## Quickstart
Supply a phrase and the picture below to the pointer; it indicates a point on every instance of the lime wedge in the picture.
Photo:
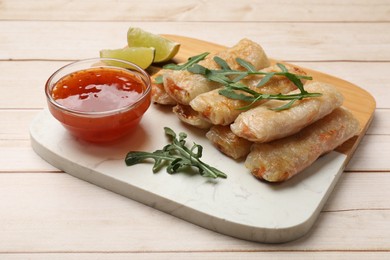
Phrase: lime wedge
(165, 48)
(141, 56)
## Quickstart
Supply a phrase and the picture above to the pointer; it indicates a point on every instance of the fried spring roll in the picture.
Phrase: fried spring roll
(220, 110)
(187, 115)
(281, 159)
(227, 142)
(261, 124)
(158, 93)
(183, 86)
(160, 96)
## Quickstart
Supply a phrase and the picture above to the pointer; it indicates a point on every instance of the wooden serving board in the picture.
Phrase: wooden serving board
(239, 206)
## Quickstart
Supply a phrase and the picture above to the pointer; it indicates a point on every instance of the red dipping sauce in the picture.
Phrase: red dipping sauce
(98, 90)
(99, 104)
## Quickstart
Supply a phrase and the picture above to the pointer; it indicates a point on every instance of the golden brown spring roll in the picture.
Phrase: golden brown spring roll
(261, 124)
(220, 110)
(281, 159)
(183, 86)
(227, 142)
(158, 93)
(187, 115)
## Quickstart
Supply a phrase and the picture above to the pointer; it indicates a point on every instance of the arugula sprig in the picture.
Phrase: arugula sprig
(176, 156)
(230, 91)
(190, 62)
(233, 88)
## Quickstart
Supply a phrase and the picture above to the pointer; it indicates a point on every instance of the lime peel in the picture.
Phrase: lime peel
(165, 48)
(141, 56)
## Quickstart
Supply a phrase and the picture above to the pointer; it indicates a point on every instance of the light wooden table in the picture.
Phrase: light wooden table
(47, 214)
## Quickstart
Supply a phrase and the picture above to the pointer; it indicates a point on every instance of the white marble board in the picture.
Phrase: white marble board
(239, 206)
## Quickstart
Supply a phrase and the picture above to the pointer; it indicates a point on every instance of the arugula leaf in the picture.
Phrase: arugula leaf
(198, 69)
(222, 63)
(190, 62)
(265, 79)
(158, 80)
(231, 79)
(282, 67)
(176, 156)
(286, 106)
(248, 66)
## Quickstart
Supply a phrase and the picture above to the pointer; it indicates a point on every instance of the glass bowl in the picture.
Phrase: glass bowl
(100, 99)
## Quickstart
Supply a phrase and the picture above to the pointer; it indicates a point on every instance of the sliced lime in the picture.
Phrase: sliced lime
(165, 48)
(141, 56)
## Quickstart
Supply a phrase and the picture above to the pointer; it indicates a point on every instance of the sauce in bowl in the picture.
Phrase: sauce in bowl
(101, 103)
(98, 90)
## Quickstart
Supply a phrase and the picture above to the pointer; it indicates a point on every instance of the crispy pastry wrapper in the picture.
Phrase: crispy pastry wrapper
(220, 110)
(227, 142)
(161, 97)
(187, 115)
(158, 93)
(261, 124)
(283, 158)
(183, 86)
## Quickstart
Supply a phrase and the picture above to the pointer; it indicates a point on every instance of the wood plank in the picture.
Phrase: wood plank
(366, 157)
(360, 191)
(90, 219)
(286, 41)
(65, 218)
(291, 255)
(22, 159)
(25, 91)
(381, 123)
(195, 10)
(370, 76)
(15, 124)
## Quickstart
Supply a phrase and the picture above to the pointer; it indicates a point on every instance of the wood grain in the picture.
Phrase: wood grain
(49, 215)
(196, 10)
(290, 41)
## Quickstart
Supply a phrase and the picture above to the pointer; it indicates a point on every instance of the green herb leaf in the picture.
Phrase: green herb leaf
(248, 66)
(297, 82)
(286, 106)
(158, 80)
(190, 62)
(239, 77)
(176, 156)
(282, 67)
(222, 63)
(198, 69)
(265, 79)
(168, 131)
(253, 97)
(230, 93)
(218, 78)
(231, 79)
